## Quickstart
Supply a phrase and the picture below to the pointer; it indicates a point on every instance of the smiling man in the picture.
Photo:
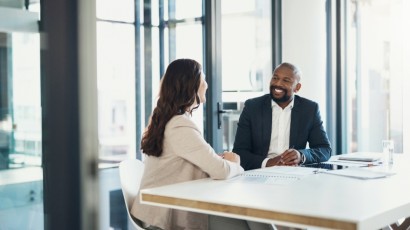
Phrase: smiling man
(281, 128)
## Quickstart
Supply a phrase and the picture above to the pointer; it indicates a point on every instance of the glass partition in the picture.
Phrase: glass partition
(24, 117)
(246, 44)
(20, 107)
(376, 72)
(21, 173)
(116, 90)
(116, 52)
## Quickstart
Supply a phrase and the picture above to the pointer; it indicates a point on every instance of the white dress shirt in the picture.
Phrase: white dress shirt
(279, 141)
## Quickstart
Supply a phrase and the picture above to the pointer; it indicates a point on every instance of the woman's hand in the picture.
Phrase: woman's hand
(231, 156)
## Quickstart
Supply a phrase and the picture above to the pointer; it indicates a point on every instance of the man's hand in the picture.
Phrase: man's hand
(291, 157)
(274, 161)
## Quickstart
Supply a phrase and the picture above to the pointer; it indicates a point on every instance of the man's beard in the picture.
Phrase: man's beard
(284, 98)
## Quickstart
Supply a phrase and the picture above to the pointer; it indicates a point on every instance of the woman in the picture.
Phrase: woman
(175, 148)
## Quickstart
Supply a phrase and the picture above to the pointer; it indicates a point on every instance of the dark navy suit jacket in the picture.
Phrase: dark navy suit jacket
(253, 135)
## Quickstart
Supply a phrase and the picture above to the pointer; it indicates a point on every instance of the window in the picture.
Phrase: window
(20, 104)
(116, 79)
(116, 89)
(175, 33)
(246, 61)
(377, 35)
(21, 138)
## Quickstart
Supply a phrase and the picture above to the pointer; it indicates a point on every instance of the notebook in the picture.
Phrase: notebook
(361, 156)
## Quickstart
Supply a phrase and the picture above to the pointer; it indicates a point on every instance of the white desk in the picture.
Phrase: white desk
(320, 200)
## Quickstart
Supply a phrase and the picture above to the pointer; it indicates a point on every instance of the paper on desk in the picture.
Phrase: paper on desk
(360, 173)
(360, 157)
(352, 163)
(274, 175)
(373, 159)
(288, 170)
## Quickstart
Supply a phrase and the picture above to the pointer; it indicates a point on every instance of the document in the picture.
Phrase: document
(288, 170)
(360, 173)
(274, 175)
(360, 156)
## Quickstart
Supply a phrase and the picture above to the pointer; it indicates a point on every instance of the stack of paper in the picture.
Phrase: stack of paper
(361, 173)
(361, 156)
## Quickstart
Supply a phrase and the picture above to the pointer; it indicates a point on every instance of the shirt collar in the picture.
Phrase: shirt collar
(290, 106)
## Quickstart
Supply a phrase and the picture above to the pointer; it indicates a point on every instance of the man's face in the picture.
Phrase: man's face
(283, 85)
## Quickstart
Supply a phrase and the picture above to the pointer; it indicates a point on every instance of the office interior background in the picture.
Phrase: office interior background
(79, 79)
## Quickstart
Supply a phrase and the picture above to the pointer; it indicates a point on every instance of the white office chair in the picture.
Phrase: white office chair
(131, 171)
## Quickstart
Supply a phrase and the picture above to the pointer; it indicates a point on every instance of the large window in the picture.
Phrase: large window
(116, 85)
(176, 31)
(246, 58)
(135, 42)
(116, 91)
(21, 139)
(116, 79)
(20, 109)
(377, 36)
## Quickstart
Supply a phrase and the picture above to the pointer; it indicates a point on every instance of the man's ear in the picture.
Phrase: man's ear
(298, 86)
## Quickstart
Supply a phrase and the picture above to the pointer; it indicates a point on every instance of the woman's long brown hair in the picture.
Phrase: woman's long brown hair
(177, 94)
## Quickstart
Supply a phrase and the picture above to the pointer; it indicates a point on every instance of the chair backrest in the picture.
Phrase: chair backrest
(131, 171)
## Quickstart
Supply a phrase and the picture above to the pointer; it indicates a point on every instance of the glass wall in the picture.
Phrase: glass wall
(161, 32)
(177, 32)
(377, 50)
(21, 108)
(116, 79)
(21, 185)
(116, 85)
(135, 43)
(246, 43)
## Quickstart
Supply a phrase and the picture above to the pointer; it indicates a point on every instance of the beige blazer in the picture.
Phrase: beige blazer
(186, 156)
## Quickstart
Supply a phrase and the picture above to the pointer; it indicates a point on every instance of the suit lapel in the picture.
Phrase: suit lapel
(266, 122)
(294, 122)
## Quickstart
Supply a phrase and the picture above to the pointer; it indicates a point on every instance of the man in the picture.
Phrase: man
(274, 129)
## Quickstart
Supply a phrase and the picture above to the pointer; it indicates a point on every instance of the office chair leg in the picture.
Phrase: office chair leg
(405, 225)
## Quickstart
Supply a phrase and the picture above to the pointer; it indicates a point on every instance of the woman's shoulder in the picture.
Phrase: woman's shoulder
(180, 121)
